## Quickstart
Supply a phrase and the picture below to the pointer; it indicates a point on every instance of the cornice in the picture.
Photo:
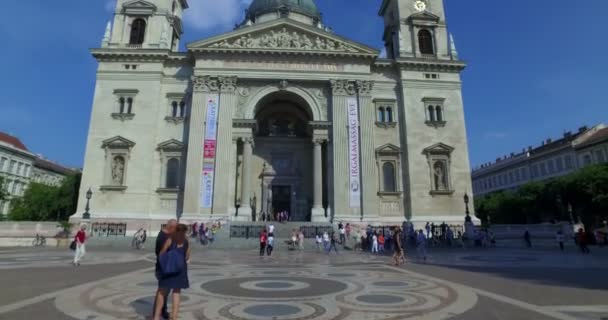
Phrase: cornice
(138, 55)
(417, 64)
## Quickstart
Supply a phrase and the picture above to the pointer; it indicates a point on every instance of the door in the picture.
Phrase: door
(281, 199)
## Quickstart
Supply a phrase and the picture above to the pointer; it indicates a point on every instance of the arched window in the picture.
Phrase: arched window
(174, 109)
(138, 31)
(121, 105)
(381, 114)
(389, 114)
(439, 113)
(388, 172)
(425, 42)
(182, 109)
(171, 181)
(129, 105)
(431, 114)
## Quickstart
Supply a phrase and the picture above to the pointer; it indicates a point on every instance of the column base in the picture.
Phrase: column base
(245, 215)
(318, 215)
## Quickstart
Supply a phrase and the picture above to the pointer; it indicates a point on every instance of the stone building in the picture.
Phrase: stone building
(19, 167)
(553, 158)
(280, 114)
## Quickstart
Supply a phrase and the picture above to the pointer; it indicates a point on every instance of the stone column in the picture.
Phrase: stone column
(223, 168)
(245, 213)
(369, 169)
(341, 91)
(203, 86)
(318, 213)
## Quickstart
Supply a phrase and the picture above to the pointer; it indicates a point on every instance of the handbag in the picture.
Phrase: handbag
(172, 262)
(73, 245)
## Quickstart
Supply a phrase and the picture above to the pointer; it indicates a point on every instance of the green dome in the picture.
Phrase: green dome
(305, 7)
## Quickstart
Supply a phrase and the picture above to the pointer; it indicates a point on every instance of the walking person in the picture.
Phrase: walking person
(374, 243)
(176, 247)
(301, 240)
(560, 239)
(270, 244)
(421, 245)
(528, 239)
(581, 240)
(263, 242)
(325, 241)
(342, 234)
(80, 238)
(332, 244)
(399, 253)
(319, 241)
(427, 227)
(164, 234)
(381, 242)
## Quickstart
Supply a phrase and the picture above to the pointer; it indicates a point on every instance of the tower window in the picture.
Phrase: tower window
(388, 171)
(174, 109)
(381, 117)
(425, 42)
(129, 105)
(389, 114)
(138, 31)
(182, 109)
(171, 180)
(439, 113)
(432, 114)
(121, 105)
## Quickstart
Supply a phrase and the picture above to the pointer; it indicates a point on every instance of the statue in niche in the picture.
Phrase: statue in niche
(440, 175)
(118, 170)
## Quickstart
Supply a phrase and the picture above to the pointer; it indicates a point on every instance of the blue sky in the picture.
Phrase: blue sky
(535, 67)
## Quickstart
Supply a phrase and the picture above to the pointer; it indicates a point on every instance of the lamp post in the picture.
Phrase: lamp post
(87, 215)
(466, 204)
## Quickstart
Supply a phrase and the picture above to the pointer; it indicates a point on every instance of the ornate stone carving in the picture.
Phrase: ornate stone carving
(205, 84)
(285, 39)
(364, 87)
(343, 87)
(227, 84)
(283, 84)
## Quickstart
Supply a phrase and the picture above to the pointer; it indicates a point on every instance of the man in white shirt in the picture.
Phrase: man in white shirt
(271, 230)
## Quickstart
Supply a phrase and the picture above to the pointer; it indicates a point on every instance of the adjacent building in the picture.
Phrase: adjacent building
(553, 158)
(19, 167)
(280, 114)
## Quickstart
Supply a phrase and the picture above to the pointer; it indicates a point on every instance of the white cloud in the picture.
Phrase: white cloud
(208, 14)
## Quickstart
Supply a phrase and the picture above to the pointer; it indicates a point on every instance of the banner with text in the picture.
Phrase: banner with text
(209, 147)
(353, 152)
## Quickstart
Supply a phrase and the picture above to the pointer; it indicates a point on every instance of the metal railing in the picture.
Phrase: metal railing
(109, 229)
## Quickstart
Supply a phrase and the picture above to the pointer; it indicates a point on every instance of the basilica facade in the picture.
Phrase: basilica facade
(279, 115)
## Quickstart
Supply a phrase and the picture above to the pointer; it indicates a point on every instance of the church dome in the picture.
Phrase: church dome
(304, 7)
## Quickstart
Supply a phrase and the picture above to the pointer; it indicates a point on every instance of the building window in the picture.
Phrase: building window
(174, 109)
(121, 105)
(177, 108)
(12, 167)
(568, 160)
(559, 164)
(587, 160)
(388, 159)
(439, 160)
(138, 31)
(182, 109)
(170, 155)
(599, 156)
(125, 99)
(3, 164)
(172, 178)
(385, 113)
(388, 172)
(433, 108)
(425, 42)
(524, 174)
(534, 171)
(551, 166)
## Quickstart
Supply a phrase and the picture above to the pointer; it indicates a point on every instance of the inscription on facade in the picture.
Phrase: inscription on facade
(326, 67)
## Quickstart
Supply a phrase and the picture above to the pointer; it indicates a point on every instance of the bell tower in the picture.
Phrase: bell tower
(416, 29)
(146, 24)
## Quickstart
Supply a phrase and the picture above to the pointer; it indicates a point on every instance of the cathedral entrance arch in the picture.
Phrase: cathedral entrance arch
(283, 143)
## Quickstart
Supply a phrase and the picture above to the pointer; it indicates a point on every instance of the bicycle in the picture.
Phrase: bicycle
(40, 241)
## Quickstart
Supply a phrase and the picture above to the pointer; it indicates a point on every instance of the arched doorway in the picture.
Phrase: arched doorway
(283, 147)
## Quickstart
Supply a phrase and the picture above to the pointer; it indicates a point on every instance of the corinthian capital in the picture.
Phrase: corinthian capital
(227, 84)
(364, 87)
(343, 87)
(206, 84)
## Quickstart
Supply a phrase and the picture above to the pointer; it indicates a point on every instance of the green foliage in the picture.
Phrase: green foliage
(45, 203)
(3, 193)
(586, 190)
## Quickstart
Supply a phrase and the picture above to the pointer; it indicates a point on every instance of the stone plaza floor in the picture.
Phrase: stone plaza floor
(469, 284)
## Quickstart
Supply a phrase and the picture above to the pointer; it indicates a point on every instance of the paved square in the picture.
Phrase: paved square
(454, 284)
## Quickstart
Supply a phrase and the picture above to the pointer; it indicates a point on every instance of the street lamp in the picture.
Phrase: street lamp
(87, 215)
(466, 204)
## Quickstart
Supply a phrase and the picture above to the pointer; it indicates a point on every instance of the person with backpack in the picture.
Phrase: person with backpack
(173, 259)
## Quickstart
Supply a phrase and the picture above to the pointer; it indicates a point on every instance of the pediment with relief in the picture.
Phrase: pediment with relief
(139, 7)
(286, 36)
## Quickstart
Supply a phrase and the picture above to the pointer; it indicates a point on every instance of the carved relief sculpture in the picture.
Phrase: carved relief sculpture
(118, 170)
(283, 39)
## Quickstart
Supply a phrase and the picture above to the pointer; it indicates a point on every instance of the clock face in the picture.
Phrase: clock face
(420, 5)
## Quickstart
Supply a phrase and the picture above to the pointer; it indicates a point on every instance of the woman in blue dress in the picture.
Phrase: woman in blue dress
(174, 282)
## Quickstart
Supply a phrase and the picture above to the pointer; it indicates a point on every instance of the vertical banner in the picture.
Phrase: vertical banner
(209, 148)
(354, 168)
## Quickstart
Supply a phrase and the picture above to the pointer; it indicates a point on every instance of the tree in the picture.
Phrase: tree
(47, 203)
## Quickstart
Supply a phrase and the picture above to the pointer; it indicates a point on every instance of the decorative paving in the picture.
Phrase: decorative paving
(46, 259)
(278, 290)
